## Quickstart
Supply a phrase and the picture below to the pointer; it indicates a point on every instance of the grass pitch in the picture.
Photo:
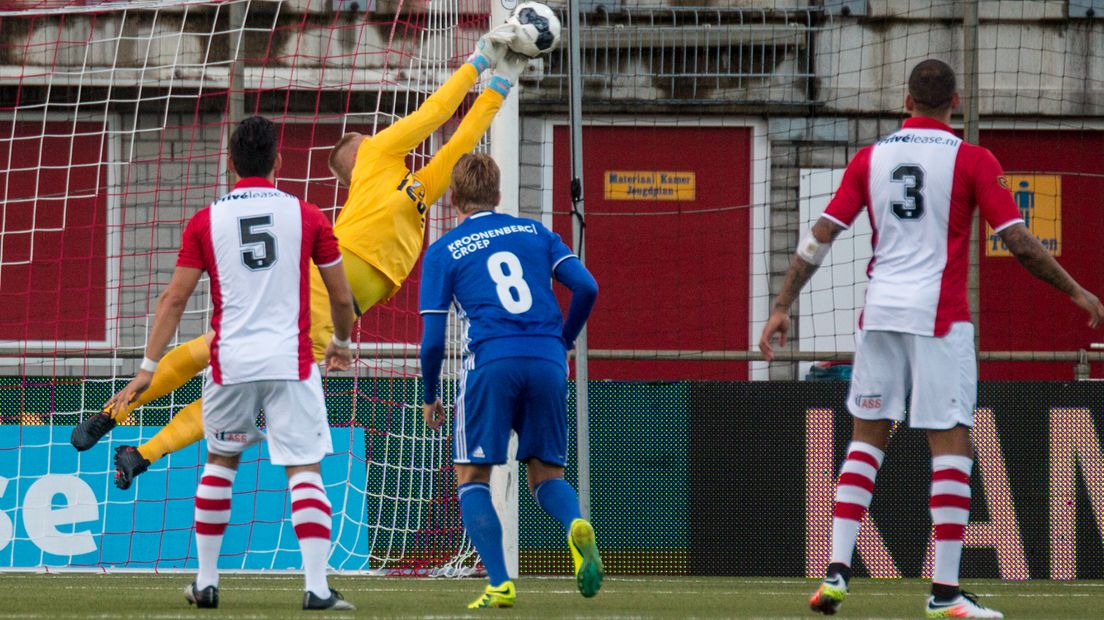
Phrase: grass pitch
(158, 597)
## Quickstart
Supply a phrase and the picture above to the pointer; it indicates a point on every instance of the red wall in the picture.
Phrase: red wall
(58, 183)
(1018, 312)
(668, 280)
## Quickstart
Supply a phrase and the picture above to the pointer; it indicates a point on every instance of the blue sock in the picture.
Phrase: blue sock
(558, 499)
(484, 529)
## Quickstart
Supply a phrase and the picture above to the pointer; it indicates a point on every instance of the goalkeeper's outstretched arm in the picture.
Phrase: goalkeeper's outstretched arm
(410, 131)
(405, 134)
(435, 176)
(810, 253)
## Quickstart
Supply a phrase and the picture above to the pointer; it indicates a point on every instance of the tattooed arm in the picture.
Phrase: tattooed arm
(800, 272)
(1034, 257)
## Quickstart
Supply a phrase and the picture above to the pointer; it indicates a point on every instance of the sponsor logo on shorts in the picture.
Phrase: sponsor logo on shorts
(231, 437)
(869, 401)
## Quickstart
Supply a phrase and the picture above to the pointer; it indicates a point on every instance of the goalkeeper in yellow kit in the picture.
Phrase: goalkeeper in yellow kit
(380, 232)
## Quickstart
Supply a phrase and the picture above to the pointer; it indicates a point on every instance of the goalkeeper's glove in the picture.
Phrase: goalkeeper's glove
(511, 66)
(492, 46)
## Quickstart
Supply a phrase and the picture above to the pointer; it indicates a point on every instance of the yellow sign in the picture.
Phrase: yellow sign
(1039, 197)
(650, 185)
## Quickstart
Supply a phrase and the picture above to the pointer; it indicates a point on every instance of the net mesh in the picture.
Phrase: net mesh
(714, 136)
(759, 106)
(752, 111)
(113, 127)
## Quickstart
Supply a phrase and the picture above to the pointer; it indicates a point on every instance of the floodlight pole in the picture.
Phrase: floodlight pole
(582, 403)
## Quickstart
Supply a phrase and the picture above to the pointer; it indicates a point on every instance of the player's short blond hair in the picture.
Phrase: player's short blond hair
(343, 157)
(475, 182)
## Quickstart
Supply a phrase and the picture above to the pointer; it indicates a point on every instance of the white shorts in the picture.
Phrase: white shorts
(941, 373)
(295, 414)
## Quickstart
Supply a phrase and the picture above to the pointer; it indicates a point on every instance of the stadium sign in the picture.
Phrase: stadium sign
(51, 504)
(650, 185)
(61, 508)
(1037, 509)
(1074, 449)
(1039, 199)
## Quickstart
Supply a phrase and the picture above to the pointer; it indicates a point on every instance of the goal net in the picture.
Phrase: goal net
(715, 137)
(113, 126)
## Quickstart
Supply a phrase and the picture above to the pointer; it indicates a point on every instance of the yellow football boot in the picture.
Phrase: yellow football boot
(584, 551)
(500, 596)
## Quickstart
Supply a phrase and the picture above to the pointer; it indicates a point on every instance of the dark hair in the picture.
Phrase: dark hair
(253, 147)
(932, 85)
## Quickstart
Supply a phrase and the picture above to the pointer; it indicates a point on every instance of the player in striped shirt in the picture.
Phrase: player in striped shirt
(256, 244)
(379, 230)
(920, 187)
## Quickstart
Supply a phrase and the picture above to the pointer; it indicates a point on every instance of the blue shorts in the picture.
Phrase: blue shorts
(527, 395)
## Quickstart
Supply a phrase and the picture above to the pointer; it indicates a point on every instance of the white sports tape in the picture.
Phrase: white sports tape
(812, 251)
(148, 365)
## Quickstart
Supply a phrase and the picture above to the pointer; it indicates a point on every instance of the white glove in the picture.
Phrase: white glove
(511, 66)
(492, 47)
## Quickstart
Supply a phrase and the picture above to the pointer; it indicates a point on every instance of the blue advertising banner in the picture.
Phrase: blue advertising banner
(59, 507)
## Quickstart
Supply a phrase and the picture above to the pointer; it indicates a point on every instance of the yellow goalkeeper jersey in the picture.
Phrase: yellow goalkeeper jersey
(381, 228)
(383, 221)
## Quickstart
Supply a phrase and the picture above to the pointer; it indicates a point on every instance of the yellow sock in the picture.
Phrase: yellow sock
(175, 369)
(183, 430)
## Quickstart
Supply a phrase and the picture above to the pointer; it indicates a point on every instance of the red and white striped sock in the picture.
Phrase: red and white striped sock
(853, 494)
(311, 515)
(212, 513)
(950, 511)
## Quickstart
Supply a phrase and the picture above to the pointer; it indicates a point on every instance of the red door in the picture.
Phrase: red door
(673, 265)
(1018, 312)
(53, 243)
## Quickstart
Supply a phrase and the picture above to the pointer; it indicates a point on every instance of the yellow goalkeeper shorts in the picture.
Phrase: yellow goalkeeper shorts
(369, 285)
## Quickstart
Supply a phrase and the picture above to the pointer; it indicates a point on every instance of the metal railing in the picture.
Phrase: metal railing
(703, 56)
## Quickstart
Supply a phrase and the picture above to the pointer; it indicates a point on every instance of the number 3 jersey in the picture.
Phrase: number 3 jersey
(256, 244)
(920, 186)
(498, 269)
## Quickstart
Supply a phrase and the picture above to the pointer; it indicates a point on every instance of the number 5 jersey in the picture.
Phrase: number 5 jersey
(256, 244)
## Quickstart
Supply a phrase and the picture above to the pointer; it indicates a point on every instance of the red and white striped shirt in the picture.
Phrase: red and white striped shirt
(920, 186)
(256, 244)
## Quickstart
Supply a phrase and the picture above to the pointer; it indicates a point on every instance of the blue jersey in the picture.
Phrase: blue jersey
(498, 269)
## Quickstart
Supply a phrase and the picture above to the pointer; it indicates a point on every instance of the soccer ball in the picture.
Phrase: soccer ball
(538, 29)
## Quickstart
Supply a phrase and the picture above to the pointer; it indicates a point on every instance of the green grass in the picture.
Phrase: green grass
(158, 597)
